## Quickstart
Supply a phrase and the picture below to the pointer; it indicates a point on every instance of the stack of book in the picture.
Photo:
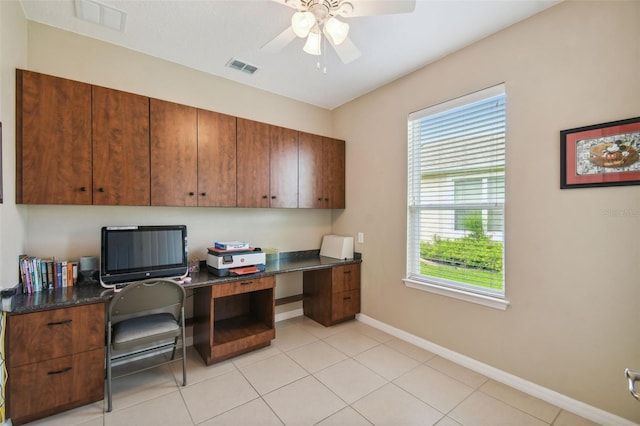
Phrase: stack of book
(38, 274)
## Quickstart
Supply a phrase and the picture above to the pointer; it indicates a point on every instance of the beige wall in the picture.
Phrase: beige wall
(13, 53)
(572, 256)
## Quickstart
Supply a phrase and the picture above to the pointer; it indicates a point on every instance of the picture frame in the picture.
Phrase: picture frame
(605, 154)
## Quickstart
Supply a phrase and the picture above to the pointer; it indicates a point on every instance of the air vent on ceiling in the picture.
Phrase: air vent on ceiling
(100, 14)
(242, 66)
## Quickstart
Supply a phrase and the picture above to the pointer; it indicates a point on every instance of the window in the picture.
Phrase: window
(456, 197)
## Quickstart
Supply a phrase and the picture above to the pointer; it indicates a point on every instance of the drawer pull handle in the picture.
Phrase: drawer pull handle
(347, 272)
(246, 283)
(346, 298)
(60, 322)
(64, 370)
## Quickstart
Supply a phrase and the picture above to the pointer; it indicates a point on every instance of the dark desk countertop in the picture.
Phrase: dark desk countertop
(83, 294)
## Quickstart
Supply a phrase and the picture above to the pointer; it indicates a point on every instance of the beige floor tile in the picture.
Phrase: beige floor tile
(293, 337)
(255, 356)
(322, 332)
(462, 374)
(435, 388)
(272, 373)
(215, 396)
(316, 356)
(392, 406)
(448, 421)
(387, 362)
(565, 418)
(304, 402)
(254, 413)
(345, 417)
(87, 415)
(410, 350)
(197, 370)
(350, 380)
(164, 410)
(350, 342)
(372, 332)
(142, 386)
(534, 406)
(482, 410)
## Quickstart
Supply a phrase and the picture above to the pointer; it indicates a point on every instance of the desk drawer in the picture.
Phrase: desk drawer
(345, 278)
(245, 286)
(44, 335)
(55, 385)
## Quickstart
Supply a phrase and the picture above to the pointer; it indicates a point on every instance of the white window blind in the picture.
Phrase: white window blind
(456, 194)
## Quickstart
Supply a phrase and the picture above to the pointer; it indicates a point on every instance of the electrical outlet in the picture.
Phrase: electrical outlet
(361, 237)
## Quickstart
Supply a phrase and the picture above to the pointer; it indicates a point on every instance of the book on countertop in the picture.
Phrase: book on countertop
(231, 245)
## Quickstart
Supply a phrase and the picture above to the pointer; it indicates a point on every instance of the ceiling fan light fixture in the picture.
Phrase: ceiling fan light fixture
(337, 30)
(302, 22)
(312, 46)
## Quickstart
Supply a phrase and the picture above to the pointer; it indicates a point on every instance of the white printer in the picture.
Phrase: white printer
(235, 262)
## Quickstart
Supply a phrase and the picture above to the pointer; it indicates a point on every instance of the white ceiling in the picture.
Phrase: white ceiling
(205, 35)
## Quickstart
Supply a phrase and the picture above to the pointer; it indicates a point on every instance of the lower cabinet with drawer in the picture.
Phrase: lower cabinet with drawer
(55, 361)
(233, 318)
(332, 295)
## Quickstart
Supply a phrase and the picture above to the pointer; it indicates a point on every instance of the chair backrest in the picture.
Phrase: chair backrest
(152, 296)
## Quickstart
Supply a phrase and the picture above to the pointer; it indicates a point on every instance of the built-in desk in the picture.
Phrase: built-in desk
(232, 315)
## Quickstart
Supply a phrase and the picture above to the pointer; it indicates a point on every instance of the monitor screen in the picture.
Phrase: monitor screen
(131, 253)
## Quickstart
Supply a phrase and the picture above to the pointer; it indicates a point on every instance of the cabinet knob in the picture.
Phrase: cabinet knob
(326, 199)
(264, 197)
(100, 189)
(192, 194)
(83, 189)
(273, 197)
(320, 199)
(204, 194)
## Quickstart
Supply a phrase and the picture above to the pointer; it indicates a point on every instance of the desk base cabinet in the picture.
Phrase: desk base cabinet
(234, 318)
(332, 295)
(55, 361)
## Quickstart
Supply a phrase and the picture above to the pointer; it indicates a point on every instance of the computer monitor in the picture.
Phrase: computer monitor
(132, 253)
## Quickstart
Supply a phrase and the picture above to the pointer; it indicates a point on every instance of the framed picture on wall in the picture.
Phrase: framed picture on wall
(600, 155)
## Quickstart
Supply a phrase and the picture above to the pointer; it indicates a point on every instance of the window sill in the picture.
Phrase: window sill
(480, 299)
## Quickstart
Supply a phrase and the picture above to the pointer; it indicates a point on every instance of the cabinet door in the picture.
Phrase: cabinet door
(174, 152)
(334, 173)
(310, 183)
(216, 159)
(253, 150)
(322, 172)
(53, 140)
(120, 148)
(283, 187)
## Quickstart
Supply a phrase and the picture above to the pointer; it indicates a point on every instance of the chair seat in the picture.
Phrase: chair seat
(151, 328)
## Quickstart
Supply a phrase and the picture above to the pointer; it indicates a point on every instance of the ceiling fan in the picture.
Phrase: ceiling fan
(314, 19)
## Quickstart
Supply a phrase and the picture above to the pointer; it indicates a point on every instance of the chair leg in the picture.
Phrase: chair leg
(184, 352)
(109, 396)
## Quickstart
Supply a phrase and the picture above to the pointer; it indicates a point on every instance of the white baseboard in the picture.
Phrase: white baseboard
(552, 397)
(289, 314)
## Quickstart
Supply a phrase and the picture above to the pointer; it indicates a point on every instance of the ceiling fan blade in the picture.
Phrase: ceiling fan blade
(280, 41)
(294, 4)
(378, 7)
(347, 51)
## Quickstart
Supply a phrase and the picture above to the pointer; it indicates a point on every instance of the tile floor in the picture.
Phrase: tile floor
(350, 374)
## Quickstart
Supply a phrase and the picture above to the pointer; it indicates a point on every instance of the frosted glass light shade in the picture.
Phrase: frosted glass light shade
(302, 22)
(312, 46)
(337, 30)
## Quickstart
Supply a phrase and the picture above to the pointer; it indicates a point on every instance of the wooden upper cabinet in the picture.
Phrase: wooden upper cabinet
(120, 148)
(321, 179)
(53, 140)
(174, 154)
(283, 168)
(216, 159)
(267, 165)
